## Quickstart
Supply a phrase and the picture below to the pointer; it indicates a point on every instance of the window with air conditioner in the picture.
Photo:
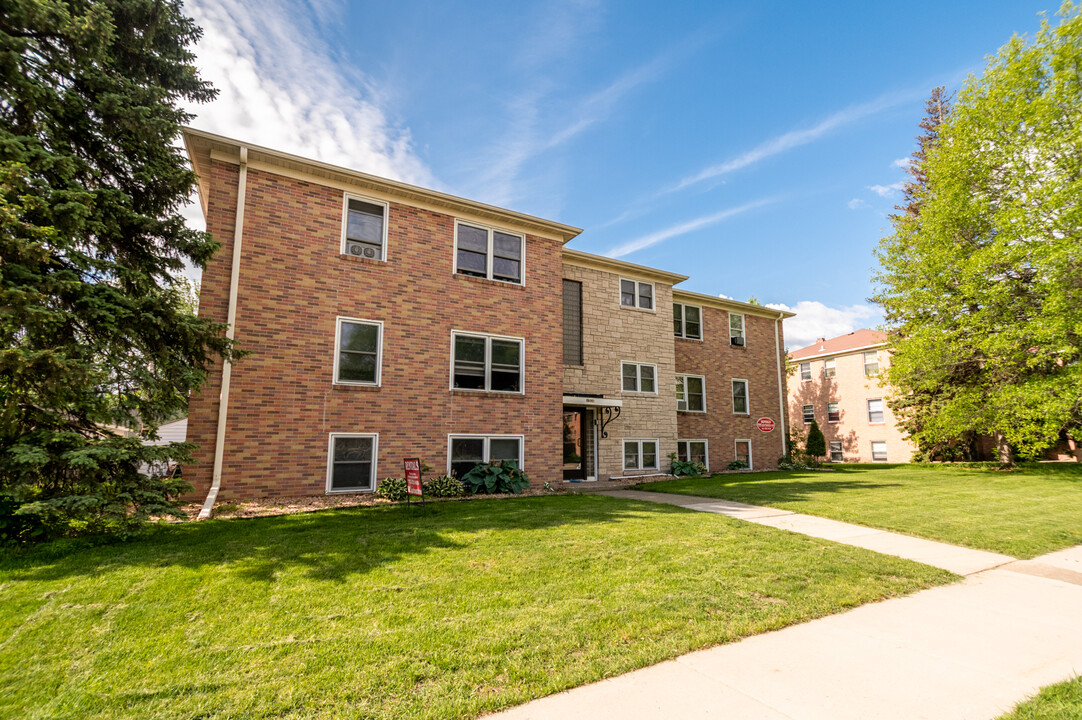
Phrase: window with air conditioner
(736, 329)
(364, 231)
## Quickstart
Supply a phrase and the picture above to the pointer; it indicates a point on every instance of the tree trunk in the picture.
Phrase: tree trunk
(1003, 450)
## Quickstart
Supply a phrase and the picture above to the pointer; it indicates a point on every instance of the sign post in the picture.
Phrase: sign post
(414, 485)
(765, 424)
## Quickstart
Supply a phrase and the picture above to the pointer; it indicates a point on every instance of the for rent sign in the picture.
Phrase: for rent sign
(413, 476)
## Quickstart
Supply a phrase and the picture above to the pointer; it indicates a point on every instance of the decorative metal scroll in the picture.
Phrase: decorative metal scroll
(606, 416)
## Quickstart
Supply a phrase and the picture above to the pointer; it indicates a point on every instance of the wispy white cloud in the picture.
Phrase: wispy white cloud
(816, 320)
(683, 228)
(902, 163)
(856, 204)
(886, 190)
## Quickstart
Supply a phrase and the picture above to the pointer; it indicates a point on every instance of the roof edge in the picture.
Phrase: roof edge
(727, 303)
(589, 260)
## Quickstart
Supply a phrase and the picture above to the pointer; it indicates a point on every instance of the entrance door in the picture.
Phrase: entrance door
(574, 433)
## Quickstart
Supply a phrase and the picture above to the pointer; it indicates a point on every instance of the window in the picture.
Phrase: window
(743, 452)
(833, 413)
(687, 321)
(879, 451)
(364, 231)
(692, 451)
(638, 377)
(464, 452)
(836, 451)
(351, 462)
(486, 362)
(740, 397)
(805, 372)
(736, 329)
(809, 414)
(572, 322)
(691, 393)
(875, 411)
(640, 455)
(829, 369)
(359, 351)
(871, 363)
(487, 253)
(637, 294)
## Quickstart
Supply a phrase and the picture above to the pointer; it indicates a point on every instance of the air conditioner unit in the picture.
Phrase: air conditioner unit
(359, 250)
(737, 340)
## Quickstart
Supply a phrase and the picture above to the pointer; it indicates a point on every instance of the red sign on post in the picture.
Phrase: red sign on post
(413, 476)
(765, 424)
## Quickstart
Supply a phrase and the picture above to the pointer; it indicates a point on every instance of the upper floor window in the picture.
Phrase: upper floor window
(365, 229)
(359, 347)
(805, 372)
(875, 411)
(808, 412)
(637, 294)
(871, 363)
(487, 253)
(691, 393)
(687, 321)
(829, 368)
(572, 322)
(736, 329)
(740, 397)
(639, 377)
(486, 362)
(833, 413)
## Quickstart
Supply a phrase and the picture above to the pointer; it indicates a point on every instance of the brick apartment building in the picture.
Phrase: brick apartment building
(837, 383)
(388, 321)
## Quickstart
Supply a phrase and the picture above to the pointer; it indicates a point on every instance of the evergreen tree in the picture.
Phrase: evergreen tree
(95, 336)
(816, 444)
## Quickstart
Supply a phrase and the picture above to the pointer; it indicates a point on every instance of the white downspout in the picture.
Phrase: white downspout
(781, 388)
(227, 367)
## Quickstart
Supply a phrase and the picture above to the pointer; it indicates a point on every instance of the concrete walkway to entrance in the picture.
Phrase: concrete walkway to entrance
(968, 651)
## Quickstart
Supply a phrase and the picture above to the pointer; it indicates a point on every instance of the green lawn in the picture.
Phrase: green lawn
(1024, 513)
(392, 612)
(1055, 702)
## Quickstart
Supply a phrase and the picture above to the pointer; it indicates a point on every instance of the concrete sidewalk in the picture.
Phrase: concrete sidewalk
(964, 652)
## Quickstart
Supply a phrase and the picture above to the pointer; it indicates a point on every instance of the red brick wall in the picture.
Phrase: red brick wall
(293, 285)
(720, 362)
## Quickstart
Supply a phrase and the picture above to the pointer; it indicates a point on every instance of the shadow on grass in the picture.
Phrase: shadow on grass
(330, 545)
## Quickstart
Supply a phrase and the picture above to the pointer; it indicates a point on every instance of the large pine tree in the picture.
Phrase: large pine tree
(95, 338)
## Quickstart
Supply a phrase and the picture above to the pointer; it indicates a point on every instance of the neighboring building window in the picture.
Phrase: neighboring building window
(640, 455)
(836, 451)
(351, 462)
(687, 321)
(875, 411)
(358, 343)
(691, 393)
(487, 253)
(464, 452)
(639, 377)
(879, 451)
(692, 451)
(365, 231)
(833, 413)
(805, 372)
(740, 397)
(637, 294)
(829, 369)
(486, 362)
(736, 329)
(871, 363)
(743, 451)
(809, 414)
(572, 322)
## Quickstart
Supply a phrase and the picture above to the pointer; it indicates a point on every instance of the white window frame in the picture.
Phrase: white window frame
(841, 451)
(747, 396)
(830, 368)
(685, 376)
(683, 321)
(884, 444)
(640, 441)
(743, 329)
(486, 451)
(489, 256)
(638, 378)
(345, 223)
(804, 414)
(638, 295)
(379, 350)
(865, 356)
(706, 449)
(883, 411)
(736, 455)
(839, 412)
(330, 462)
(488, 363)
(805, 366)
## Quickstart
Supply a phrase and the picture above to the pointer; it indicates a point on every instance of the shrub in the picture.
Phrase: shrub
(681, 468)
(444, 486)
(496, 477)
(787, 464)
(392, 488)
(737, 465)
(816, 445)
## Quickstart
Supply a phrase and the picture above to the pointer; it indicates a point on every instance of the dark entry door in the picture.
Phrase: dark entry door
(574, 434)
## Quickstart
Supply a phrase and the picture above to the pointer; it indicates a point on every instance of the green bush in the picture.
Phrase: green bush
(787, 464)
(737, 465)
(816, 445)
(444, 486)
(392, 488)
(681, 468)
(496, 477)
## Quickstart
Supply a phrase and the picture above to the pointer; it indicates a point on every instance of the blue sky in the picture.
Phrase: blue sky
(753, 146)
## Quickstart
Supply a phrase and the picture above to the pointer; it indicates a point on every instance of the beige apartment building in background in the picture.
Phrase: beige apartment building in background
(839, 384)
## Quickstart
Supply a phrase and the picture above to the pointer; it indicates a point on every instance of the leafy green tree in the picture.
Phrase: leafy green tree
(94, 335)
(815, 446)
(980, 286)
